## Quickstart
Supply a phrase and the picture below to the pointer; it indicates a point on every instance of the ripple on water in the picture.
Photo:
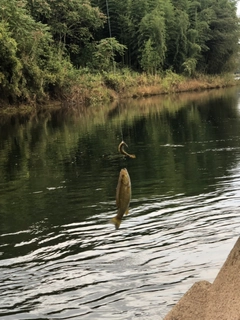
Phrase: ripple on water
(88, 269)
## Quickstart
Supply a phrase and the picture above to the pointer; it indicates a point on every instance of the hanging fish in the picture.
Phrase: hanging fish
(123, 196)
(122, 151)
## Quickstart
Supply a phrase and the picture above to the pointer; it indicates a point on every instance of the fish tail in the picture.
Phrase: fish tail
(116, 221)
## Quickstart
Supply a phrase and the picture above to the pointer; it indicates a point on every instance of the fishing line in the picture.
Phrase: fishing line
(108, 16)
(110, 32)
(121, 130)
(110, 35)
(122, 143)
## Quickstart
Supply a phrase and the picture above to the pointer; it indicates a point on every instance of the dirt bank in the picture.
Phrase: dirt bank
(217, 301)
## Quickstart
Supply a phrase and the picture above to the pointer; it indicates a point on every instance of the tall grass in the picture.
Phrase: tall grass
(89, 88)
(85, 88)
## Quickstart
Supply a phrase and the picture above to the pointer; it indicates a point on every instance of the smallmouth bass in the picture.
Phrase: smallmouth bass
(123, 197)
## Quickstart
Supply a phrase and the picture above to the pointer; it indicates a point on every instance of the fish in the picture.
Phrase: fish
(122, 151)
(123, 197)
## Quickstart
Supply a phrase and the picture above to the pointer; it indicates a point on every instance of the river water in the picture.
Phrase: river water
(60, 258)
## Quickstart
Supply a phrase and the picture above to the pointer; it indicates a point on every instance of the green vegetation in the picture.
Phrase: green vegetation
(91, 50)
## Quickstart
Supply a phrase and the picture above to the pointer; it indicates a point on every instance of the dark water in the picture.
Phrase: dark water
(60, 258)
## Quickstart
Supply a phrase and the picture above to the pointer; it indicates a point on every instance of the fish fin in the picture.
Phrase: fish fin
(126, 212)
(116, 221)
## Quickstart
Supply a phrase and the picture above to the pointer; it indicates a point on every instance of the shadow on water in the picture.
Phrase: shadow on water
(59, 256)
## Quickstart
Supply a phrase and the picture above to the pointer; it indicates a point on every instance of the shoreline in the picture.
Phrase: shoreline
(119, 87)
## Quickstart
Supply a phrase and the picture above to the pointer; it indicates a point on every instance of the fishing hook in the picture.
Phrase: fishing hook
(122, 150)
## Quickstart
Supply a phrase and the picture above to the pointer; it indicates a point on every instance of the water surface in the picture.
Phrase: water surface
(60, 258)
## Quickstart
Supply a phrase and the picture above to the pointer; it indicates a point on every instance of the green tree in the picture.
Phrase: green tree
(104, 54)
(223, 37)
(119, 25)
(30, 66)
(149, 63)
(152, 41)
(10, 64)
(180, 46)
(73, 24)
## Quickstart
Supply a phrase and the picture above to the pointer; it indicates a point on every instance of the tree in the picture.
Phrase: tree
(73, 24)
(104, 53)
(152, 41)
(29, 61)
(10, 65)
(223, 37)
(149, 63)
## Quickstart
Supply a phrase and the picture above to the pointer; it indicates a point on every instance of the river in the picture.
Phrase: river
(60, 258)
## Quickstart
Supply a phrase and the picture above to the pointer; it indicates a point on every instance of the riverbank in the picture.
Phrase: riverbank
(108, 87)
(88, 89)
(219, 300)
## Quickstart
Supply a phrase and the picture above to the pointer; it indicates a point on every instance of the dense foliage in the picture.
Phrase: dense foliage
(183, 35)
(43, 43)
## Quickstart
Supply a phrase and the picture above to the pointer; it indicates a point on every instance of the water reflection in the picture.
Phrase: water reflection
(59, 256)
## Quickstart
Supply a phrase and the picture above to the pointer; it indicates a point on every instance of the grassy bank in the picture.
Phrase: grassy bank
(84, 89)
(90, 89)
